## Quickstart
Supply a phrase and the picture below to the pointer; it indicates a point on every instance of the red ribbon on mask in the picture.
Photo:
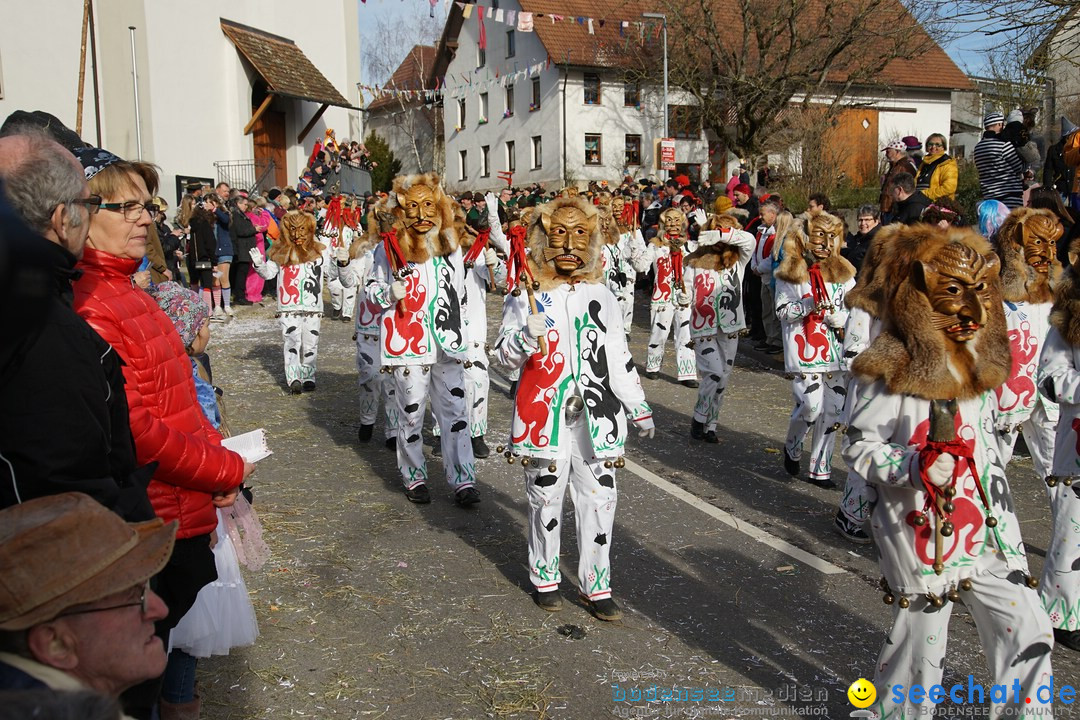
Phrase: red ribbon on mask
(478, 246)
(517, 262)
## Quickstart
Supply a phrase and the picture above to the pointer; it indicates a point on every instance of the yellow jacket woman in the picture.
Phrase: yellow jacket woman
(938, 172)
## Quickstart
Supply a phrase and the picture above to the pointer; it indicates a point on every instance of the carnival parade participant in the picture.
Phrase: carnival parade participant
(922, 432)
(1059, 382)
(620, 254)
(338, 223)
(372, 384)
(418, 281)
(812, 281)
(300, 264)
(714, 272)
(1026, 244)
(670, 304)
(577, 387)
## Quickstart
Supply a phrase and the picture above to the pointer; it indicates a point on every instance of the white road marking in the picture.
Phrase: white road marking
(752, 531)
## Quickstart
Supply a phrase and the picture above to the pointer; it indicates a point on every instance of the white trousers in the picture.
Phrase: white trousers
(341, 298)
(1016, 640)
(1060, 585)
(715, 359)
(1039, 436)
(442, 384)
(626, 302)
(593, 492)
(477, 387)
(300, 337)
(819, 400)
(662, 318)
(373, 385)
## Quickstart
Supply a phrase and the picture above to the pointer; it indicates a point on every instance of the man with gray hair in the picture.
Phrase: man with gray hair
(63, 411)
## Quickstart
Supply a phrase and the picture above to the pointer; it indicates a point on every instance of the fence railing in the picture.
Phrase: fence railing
(249, 175)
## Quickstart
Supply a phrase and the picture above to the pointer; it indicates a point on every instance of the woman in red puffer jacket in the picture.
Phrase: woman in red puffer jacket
(194, 472)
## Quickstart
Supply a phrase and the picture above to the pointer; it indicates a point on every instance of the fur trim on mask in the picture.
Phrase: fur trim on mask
(909, 355)
(876, 278)
(1019, 281)
(1065, 315)
(297, 244)
(438, 241)
(794, 245)
(718, 256)
(537, 240)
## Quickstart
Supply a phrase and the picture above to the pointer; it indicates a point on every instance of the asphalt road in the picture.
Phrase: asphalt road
(736, 589)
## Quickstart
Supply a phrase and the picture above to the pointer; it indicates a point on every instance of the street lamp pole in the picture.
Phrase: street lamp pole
(662, 17)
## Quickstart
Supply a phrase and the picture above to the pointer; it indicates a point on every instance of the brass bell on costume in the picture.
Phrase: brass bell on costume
(903, 602)
(552, 468)
(953, 595)
(620, 462)
(1032, 582)
(991, 521)
(935, 600)
(920, 519)
(947, 528)
(965, 585)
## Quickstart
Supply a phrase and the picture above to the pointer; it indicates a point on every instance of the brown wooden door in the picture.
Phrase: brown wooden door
(854, 142)
(268, 137)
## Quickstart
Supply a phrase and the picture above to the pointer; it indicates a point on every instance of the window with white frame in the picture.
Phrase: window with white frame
(485, 163)
(511, 156)
(483, 108)
(537, 153)
(461, 113)
(509, 112)
(463, 164)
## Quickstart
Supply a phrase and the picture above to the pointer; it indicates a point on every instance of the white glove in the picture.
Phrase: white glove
(342, 254)
(536, 325)
(835, 320)
(646, 427)
(682, 298)
(699, 217)
(397, 290)
(256, 258)
(940, 474)
(490, 258)
(492, 208)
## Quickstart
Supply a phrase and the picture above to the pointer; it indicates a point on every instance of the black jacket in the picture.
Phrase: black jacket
(910, 211)
(242, 231)
(203, 238)
(63, 411)
(857, 245)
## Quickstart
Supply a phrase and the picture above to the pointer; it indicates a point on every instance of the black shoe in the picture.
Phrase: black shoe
(774, 349)
(825, 483)
(436, 448)
(480, 450)
(651, 375)
(364, 433)
(697, 430)
(309, 386)
(550, 600)
(335, 313)
(606, 609)
(468, 496)
(295, 387)
(850, 530)
(710, 437)
(391, 443)
(761, 345)
(1068, 638)
(689, 383)
(791, 466)
(418, 494)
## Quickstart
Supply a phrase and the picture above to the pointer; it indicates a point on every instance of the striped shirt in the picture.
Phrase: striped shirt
(1000, 171)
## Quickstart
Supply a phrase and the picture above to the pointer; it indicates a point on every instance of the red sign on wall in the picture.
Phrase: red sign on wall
(667, 153)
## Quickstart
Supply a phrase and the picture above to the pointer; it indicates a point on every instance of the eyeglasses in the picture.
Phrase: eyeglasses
(92, 203)
(935, 144)
(141, 604)
(132, 210)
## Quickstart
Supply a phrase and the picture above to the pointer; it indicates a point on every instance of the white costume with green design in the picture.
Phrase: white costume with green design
(588, 366)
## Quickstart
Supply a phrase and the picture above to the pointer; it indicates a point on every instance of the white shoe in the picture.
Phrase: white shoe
(229, 311)
(218, 314)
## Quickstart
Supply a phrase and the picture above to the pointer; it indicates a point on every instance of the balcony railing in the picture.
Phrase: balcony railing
(249, 175)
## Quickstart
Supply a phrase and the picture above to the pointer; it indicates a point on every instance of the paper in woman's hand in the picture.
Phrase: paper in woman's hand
(251, 445)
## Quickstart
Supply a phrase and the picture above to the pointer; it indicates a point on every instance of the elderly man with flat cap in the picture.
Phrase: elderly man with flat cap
(76, 608)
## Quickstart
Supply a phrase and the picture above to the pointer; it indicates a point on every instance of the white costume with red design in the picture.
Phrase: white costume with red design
(813, 354)
(886, 434)
(574, 442)
(422, 345)
(299, 310)
(342, 295)
(1020, 406)
(666, 314)
(372, 383)
(620, 272)
(716, 320)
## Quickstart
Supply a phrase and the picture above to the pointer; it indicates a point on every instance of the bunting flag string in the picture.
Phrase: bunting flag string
(525, 21)
(458, 86)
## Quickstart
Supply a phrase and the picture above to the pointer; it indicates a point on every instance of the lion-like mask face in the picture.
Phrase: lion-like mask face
(421, 211)
(605, 218)
(957, 283)
(617, 204)
(725, 222)
(822, 235)
(298, 229)
(674, 222)
(1040, 242)
(568, 231)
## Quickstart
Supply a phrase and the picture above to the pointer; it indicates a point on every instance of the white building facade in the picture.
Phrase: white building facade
(197, 91)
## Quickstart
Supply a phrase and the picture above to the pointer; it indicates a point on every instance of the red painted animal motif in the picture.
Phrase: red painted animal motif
(813, 343)
(536, 391)
(403, 330)
(662, 290)
(1019, 389)
(704, 315)
(289, 288)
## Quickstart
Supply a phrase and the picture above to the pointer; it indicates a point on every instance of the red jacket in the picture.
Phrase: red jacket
(166, 421)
